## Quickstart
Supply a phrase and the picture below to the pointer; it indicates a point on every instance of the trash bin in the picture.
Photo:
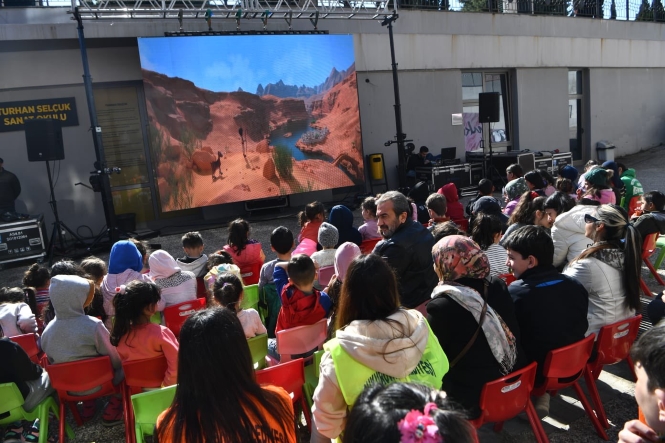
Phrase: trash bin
(605, 151)
(376, 166)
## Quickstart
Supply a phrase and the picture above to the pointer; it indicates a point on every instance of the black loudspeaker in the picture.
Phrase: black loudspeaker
(43, 138)
(489, 107)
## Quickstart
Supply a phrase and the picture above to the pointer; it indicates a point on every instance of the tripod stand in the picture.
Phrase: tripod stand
(58, 226)
(488, 164)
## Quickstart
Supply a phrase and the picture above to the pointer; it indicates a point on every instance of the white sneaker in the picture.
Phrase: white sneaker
(542, 405)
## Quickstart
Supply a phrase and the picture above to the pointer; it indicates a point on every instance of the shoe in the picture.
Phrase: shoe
(112, 415)
(87, 410)
(13, 435)
(542, 405)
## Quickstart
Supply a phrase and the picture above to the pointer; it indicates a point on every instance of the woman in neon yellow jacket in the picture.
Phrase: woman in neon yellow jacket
(377, 341)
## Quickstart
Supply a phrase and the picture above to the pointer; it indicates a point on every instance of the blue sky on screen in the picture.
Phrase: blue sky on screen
(225, 63)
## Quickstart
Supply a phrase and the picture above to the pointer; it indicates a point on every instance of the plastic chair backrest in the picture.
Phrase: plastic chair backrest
(614, 341)
(29, 344)
(325, 274)
(649, 245)
(82, 375)
(507, 278)
(567, 362)
(250, 297)
(506, 397)
(11, 401)
(367, 246)
(258, 347)
(146, 373)
(147, 407)
(301, 339)
(250, 273)
(175, 316)
(289, 375)
(306, 246)
(633, 204)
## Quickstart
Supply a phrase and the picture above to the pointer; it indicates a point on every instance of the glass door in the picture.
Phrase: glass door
(575, 114)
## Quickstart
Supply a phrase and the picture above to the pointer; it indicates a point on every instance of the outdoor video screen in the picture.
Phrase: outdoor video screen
(237, 118)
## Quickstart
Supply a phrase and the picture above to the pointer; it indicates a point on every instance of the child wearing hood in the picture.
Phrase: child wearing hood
(341, 217)
(176, 286)
(454, 208)
(125, 265)
(74, 336)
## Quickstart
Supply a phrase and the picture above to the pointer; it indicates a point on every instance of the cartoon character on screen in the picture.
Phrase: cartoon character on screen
(216, 166)
(180, 15)
(208, 17)
(243, 142)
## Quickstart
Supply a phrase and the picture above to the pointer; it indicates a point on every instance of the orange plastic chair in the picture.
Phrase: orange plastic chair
(306, 246)
(507, 397)
(633, 204)
(367, 246)
(250, 273)
(325, 275)
(563, 367)
(507, 278)
(29, 344)
(301, 340)
(175, 316)
(613, 346)
(139, 375)
(648, 248)
(291, 377)
(81, 376)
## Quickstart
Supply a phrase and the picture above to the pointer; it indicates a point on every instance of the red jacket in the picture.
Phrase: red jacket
(310, 231)
(455, 209)
(298, 308)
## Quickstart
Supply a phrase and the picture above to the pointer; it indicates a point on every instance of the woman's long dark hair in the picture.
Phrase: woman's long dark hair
(238, 231)
(129, 307)
(217, 398)
(560, 202)
(484, 229)
(526, 208)
(622, 235)
(227, 290)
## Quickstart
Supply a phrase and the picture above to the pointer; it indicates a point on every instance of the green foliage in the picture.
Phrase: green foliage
(281, 156)
(481, 5)
(180, 186)
(658, 10)
(189, 141)
(156, 143)
(645, 13)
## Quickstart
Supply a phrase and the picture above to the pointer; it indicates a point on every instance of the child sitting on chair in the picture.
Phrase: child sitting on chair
(244, 250)
(135, 337)
(369, 230)
(195, 260)
(281, 242)
(228, 292)
(16, 317)
(328, 238)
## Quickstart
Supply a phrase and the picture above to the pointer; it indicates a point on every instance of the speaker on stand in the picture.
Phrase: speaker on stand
(43, 139)
(489, 112)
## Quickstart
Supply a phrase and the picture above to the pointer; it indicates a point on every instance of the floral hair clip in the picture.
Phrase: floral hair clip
(419, 427)
(120, 289)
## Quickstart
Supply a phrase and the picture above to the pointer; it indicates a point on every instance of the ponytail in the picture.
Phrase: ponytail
(633, 266)
(31, 299)
(228, 290)
(484, 228)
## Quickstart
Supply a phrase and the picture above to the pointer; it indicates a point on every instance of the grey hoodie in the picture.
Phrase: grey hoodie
(72, 335)
(374, 345)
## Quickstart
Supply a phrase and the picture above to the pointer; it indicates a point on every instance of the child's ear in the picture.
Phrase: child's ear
(272, 249)
(290, 281)
(660, 397)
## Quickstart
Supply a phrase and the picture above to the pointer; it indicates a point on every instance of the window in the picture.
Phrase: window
(473, 83)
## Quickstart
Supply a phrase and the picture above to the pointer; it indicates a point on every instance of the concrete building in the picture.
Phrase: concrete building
(565, 83)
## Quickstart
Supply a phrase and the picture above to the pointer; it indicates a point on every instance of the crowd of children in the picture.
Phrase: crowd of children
(547, 226)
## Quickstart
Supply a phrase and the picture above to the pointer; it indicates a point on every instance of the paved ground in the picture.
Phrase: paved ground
(567, 421)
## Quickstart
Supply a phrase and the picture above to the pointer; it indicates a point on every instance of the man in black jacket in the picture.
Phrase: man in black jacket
(551, 308)
(652, 220)
(407, 247)
(10, 188)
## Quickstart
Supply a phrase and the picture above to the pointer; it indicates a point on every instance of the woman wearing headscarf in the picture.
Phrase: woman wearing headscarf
(512, 193)
(176, 286)
(473, 317)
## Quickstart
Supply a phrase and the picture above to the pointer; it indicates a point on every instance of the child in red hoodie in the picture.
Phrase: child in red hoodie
(302, 304)
(455, 210)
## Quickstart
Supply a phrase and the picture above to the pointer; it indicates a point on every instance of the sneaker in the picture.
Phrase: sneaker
(542, 405)
(87, 410)
(112, 415)
(13, 435)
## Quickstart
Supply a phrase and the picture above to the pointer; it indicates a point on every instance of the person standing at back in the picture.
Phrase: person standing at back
(407, 247)
(10, 189)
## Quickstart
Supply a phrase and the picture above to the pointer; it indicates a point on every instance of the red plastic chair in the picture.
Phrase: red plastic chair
(82, 376)
(563, 367)
(291, 377)
(300, 340)
(175, 316)
(367, 246)
(613, 346)
(633, 204)
(507, 278)
(139, 375)
(648, 248)
(508, 396)
(29, 344)
(250, 273)
(325, 275)
(306, 246)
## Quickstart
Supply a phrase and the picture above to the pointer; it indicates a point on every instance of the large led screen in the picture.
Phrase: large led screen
(237, 118)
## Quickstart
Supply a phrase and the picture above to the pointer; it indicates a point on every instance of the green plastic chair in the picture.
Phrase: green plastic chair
(251, 297)
(312, 378)
(660, 243)
(258, 346)
(147, 407)
(156, 318)
(11, 401)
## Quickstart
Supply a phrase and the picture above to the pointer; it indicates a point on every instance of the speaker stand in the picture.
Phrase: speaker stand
(58, 226)
(490, 170)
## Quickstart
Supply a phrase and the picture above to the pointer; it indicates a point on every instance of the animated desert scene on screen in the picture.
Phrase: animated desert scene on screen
(211, 144)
